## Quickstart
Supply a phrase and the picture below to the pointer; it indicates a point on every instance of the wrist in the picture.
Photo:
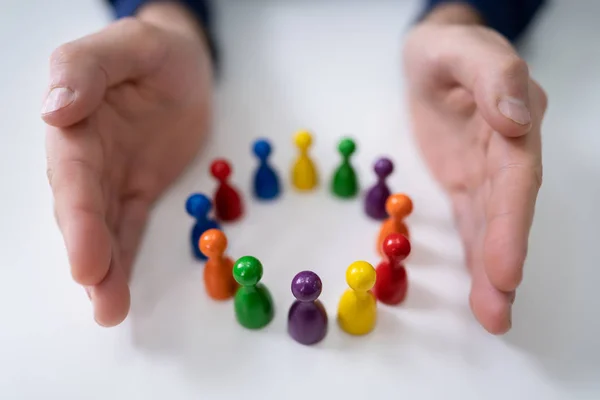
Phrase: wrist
(174, 17)
(453, 13)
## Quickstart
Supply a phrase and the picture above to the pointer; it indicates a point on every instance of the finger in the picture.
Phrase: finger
(134, 215)
(111, 297)
(487, 66)
(80, 71)
(491, 307)
(515, 166)
(74, 172)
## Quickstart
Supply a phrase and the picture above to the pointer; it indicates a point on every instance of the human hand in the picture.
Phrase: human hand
(126, 109)
(476, 115)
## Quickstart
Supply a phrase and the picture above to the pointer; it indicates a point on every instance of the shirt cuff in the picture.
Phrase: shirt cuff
(509, 17)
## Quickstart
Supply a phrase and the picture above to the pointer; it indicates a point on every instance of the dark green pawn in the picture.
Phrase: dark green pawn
(345, 182)
(253, 303)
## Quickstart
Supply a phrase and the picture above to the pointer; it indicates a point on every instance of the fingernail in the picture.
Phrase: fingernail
(515, 109)
(58, 98)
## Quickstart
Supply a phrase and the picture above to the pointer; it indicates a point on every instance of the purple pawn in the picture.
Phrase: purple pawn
(378, 194)
(307, 319)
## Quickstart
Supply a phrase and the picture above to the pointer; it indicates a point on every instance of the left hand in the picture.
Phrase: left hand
(477, 115)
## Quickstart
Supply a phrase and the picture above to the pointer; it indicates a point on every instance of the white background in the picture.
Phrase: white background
(332, 67)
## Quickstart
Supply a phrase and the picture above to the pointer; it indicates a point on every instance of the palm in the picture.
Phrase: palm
(147, 133)
(108, 168)
(456, 145)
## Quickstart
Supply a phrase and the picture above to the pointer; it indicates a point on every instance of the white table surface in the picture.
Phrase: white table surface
(289, 65)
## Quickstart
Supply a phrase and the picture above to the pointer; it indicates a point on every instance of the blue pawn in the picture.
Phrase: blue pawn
(198, 206)
(266, 181)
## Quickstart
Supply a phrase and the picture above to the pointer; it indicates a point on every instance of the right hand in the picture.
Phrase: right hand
(126, 109)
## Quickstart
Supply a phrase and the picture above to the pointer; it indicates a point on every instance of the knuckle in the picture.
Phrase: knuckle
(511, 166)
(134, 28)
(540, 94)
(532, 171)
(514, 66)
(64, 54)
(129, 24)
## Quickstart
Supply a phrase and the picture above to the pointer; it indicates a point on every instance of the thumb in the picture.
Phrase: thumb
(502, 94)
(485, 64)
(81, 71)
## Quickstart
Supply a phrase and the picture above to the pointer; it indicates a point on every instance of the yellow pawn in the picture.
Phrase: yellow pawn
(304, 172)
(357, 309)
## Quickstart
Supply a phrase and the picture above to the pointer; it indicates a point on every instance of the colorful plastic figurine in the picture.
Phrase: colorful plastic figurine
(218, 278)
(392, 280)
(398, 206)
(253, 303)
(198, 206)
(345, 181)
(304, 172)
(379, 193)
(228, 202)
(266, 181)
(357, 309)
(307, 318)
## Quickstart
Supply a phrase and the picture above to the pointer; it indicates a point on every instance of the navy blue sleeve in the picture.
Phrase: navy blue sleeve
(199, 8)
(509, 17)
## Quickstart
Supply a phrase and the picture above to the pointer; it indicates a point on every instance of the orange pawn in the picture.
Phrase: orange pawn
(218, 276)
(398, 206)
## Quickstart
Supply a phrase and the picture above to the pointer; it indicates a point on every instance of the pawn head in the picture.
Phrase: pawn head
(220, 169)
(396, 247)
(347, 147)
(262, 149)
(247, 271)
(303, 140)
(198, 205)
(213, 243)
(383, 167)
(306, 286)
(361, 276)
(398, 205)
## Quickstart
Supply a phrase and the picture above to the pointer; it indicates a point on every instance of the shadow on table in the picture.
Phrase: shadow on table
(423, 255)
(556, 317)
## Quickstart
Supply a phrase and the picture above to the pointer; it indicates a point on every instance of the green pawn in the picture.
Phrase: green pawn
(345, 182)
(253, 303)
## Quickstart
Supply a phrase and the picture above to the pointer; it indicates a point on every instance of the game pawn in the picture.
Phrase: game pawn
(398, 206)
(266, 181)
(253, 303)
(198, 206)
(218, 280)
(392, 281)
(357, 309)
(304, 172)
(379, 193)
(307, 318)
(345, 181)
(227, 200)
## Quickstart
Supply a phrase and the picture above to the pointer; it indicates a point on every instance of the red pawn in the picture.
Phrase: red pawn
(392, 282)
(227, 201)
